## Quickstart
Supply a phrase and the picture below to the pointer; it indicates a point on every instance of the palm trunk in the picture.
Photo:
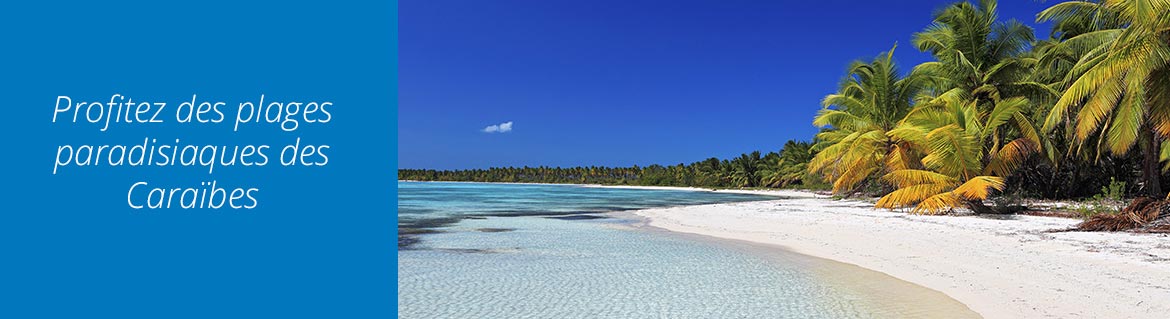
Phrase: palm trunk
(1151, 174)
(977, 206)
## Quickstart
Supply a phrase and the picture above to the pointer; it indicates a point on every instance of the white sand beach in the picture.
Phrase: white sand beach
(1000, 268)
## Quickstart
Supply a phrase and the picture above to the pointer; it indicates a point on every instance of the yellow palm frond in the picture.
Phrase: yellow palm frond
(899, 158)
(854, 174)
(910, 134)
(1028, 131)
(1004, 110)
(829, 156)
(1097, 108)
(911, 195)
(1011, 156)
(979, 187)
(841, 120)
(936, 204)
(952, 152)
(910, 177)
(1131, 113)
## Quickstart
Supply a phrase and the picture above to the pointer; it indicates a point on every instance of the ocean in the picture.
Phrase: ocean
(476, 250)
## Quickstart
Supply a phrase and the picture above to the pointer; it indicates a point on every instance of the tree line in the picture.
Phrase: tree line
(785, 168)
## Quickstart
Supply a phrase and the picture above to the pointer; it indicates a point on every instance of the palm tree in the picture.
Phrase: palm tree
(743, 170)
(978, 57)
(973, 122)
(789, 167)
(959, 169)
(1118, 91)
(855, 145)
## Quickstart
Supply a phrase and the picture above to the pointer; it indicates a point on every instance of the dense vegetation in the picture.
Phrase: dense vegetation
(785, 168)
(997, 111)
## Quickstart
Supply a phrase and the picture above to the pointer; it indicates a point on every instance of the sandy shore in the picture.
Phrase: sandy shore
(1000, 268)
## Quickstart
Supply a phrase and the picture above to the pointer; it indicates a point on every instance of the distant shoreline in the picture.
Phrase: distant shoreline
(769, 192)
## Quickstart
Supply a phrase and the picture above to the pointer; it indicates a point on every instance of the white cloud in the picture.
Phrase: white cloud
(499, 128)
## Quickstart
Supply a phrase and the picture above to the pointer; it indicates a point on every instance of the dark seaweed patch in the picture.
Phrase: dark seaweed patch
(469, 250)
(577, 217)
(494, 230)
(536, 213)
(406, 242)
(410, 230)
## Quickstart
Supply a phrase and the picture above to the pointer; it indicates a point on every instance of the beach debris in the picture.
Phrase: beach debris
(1143, 214)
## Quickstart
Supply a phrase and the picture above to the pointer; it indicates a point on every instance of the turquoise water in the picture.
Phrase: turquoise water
(503, 252)
(430, 199)
(424, 206)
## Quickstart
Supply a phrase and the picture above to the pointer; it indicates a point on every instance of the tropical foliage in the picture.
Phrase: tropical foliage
(976, 120)
(789, 168)
(972, 121)
(1117, 92)
(961, 166)
(856, 144)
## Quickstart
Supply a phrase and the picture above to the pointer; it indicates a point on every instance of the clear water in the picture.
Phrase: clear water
(535, 266)
(418, 201)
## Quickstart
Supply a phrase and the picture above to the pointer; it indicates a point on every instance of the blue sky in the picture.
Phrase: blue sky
(619, 83)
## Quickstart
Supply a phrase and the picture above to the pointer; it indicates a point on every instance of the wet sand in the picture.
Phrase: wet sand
(883, 295)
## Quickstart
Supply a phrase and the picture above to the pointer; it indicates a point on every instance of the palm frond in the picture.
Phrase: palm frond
(979, 187)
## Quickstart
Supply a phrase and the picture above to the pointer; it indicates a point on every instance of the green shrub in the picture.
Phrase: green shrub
(1110, 200)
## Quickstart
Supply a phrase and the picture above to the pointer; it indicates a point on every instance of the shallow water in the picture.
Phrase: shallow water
(430, 200)
(425, 206)
(548, 268)
(535, 266)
